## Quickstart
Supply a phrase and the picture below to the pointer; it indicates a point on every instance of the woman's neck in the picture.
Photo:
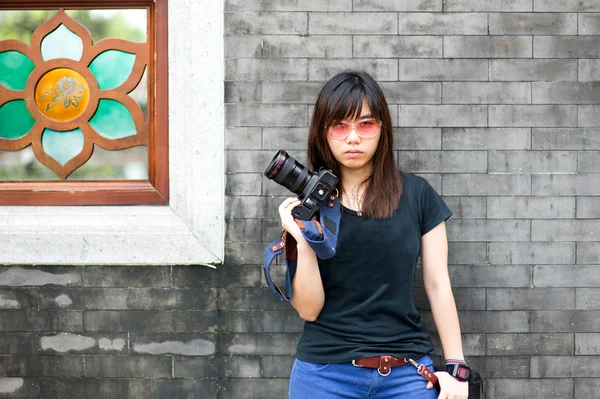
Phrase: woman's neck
(352, 186)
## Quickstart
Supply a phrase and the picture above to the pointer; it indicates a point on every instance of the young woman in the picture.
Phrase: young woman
(359, 306)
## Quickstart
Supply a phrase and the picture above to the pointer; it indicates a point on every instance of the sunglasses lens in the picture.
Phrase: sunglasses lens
(339, 130)
(368, 128)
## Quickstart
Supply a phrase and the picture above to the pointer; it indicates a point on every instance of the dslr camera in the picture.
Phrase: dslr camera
(312, 188)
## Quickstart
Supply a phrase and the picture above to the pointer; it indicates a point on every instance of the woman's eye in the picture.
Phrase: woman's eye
(367, 123)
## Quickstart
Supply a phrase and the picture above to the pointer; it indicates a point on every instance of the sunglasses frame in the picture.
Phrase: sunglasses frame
(354, 126)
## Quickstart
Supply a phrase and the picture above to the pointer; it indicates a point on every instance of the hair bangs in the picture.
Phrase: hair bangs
(345, 102)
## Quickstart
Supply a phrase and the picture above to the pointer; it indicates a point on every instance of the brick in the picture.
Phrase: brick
(194, 276)
(249, 299)
(40, 276)
(486, 139)
(243, 253)
(331, 23)
(277, 366)
(394, 5)
(20, 388)
(434, 179)
(492, 367)
(417, 139)
(530, 344)
(587, 298)
(589, 70)
(586, 387)
(566, 93)
(201, 366)
(173, 344)
(565, 320)
(467, 207)
(266, 115)
(582, 184)
(569, 366)
(43, 320)
(265, 23)
(88, 344)
(241, 366)
(589, 115)
(97, 388)
(127, 321)
(565, 5)
(203, 298)
(484, 184)
(443, 70)
(529, 388)
(243, 184)
(530, 208)
(282, 321)
(566, 138)
(473, 345)
(258, 344)
(246, 206)
(41, 366)
(488, 47)
(277, 5)
(243, 46)
(467, 253)
(242, 92)
(533, 70)
(530, 298)
(397, 46)
(519, 253)
(588, 253)
(271, 229)
(243, 230)
(531, 162)
(307, 46)
(192, 322)
(491, 276)
(442, 115)
(243, 322)
(128, 367)
(489, 230)
(290, 92)
(565, 230)
(285, 138)
(443, 23)
(254, 388)
(380, 69)
(443, 161)
(588, 161)
(186, 389)
(242, 138)
(532, 24)
(486, 93)
(19, 298)
(265, 69)
(566, 276)
(587, 344)
(565, 47)
(589, 24)
(18, 343)
(588, 207)
(533, 115)
(117, 276)
(412, 92)
(83, 298)
(488, 5)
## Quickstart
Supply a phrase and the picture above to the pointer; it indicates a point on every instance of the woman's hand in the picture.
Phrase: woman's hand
(450, 387)
(287, 220)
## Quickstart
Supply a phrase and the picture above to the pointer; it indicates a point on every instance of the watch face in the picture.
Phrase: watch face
(463, 373)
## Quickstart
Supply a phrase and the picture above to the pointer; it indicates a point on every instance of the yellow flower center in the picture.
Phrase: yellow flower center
(62, 94)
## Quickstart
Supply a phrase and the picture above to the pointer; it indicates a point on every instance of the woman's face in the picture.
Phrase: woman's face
(355, 152)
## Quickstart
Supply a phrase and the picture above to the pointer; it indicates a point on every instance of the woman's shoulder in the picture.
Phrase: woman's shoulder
(413, 182)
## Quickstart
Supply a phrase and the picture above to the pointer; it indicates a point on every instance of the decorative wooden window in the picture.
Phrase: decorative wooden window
(83, 119)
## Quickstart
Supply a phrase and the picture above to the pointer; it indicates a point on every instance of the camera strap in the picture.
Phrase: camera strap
(320, 235)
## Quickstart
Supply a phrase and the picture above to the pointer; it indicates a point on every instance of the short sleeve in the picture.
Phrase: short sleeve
(432, 207)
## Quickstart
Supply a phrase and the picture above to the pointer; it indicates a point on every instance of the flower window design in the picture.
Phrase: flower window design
(64, 95)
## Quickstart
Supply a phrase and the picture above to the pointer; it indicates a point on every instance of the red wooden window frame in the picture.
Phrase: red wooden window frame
(154, 190)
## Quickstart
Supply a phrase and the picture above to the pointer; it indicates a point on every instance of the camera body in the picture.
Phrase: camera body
(312, 188)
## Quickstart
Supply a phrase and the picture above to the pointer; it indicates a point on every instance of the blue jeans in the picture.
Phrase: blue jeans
(343, 380)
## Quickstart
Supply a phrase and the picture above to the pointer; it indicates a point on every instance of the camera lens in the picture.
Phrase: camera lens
(288, 172)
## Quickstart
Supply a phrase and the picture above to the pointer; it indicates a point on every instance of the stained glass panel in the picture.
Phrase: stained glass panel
(62, 43)
(62, 146)
(15, 120)
(111, 68)
(15, 69)
(112, 120)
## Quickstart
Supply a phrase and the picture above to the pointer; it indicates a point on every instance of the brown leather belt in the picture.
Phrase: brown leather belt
(384, 365)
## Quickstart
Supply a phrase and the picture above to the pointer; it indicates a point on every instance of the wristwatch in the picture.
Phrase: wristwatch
(460, 371)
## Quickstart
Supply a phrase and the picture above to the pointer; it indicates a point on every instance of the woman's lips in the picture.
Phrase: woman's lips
(353, 153)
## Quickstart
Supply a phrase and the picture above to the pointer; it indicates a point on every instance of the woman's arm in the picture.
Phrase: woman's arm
(434, 261)
(308, 295)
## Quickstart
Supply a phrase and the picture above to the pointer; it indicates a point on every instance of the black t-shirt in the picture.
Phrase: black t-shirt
(369, 305)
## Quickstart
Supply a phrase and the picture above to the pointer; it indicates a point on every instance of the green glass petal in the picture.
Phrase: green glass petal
(15, 120)
(62, 43)
(62, 146)
(15, 69)
(112, 68)
(112, 120)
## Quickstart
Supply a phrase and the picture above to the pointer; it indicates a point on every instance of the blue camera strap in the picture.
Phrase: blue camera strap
(322, 237)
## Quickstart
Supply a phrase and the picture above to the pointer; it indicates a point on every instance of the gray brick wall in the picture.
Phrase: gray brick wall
(495, 102)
